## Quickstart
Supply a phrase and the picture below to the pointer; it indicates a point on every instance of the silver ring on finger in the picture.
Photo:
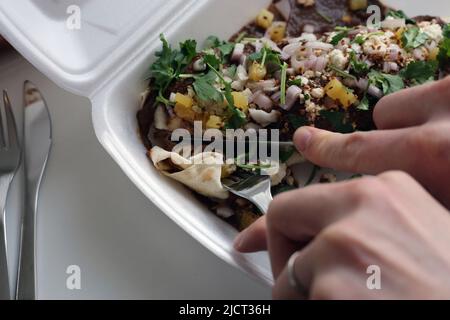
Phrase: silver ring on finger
(294, 282)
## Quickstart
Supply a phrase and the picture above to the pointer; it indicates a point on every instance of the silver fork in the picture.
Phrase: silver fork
(255, 188)
(10, 153)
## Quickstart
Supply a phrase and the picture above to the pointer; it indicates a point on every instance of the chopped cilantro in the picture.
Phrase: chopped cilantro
(338, 121)
(237, 118)
(420, 72)
(297, 121)
(359, 40)
(444, 48)
(358, 67)
(295, 82)
(364, 104)
(265, 56)
(342, 73)
(413, 38)
(387, 82)
(205, 89)
(170, 64)
(338, 37)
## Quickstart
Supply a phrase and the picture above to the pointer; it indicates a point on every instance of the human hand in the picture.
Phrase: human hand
(413, 136)
(340, 229)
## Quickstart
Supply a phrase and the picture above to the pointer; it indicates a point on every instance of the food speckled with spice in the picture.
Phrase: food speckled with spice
(283, 71)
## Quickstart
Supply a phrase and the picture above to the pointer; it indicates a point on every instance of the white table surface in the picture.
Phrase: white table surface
(92, 216)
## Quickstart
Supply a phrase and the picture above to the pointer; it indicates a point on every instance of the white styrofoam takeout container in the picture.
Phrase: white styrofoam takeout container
(107, 60)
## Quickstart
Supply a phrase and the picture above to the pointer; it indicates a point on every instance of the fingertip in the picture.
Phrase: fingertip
(252, 239)
(302, 138)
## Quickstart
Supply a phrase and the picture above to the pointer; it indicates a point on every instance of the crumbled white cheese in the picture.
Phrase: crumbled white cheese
(317, 93)
(338, 59)
(375, 45)
(434, 31)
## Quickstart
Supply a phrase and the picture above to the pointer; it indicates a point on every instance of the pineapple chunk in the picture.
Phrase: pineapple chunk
(337, 91)
(277, 31)
(265, 19)
(433, 54)
(240, 101)
(399, 34)
(214, 122)
(257, 72)
(184, 100)
(358, 5)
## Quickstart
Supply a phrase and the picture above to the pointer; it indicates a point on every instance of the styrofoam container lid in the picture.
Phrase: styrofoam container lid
(81, 59)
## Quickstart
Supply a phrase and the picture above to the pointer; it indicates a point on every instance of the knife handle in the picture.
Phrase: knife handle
(26, 276)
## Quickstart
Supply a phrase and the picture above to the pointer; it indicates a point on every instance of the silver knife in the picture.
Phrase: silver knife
(38, 141)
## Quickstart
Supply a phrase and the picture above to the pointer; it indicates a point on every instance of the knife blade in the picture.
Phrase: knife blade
(38, 141)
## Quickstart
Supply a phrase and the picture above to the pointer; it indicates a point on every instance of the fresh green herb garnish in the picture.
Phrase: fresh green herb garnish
(205, 89)
(387, 82)
(212, 60)
(295, 82)
(338, 37)
(170, 64)
(338, 121)
(420, 72)
(413, 38)
(444, 48)
(265, 56)
(297, 121)
(342, 73)
(399, 14)
(358, 67)
(364, 104)
(225, 48)
(283, 83)
(359, 40)
(240, 37)
(237, 118)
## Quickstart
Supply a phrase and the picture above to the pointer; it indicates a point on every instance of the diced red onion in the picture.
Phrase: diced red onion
(319, 45)
(393, 24)
(284, 7)
(375, 92)
(321, 63)
(292, 95)
(362, 83)
(264, 85)
(263, 101)
(298, 65)
(291, 49)
(394, 52)
(276, 96)
(237, 52)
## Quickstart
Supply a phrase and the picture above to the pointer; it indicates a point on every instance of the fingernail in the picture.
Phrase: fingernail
(240, 240)
(303, 138)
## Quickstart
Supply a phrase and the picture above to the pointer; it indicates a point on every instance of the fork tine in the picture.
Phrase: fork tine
(2, 132)
(10, 122)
